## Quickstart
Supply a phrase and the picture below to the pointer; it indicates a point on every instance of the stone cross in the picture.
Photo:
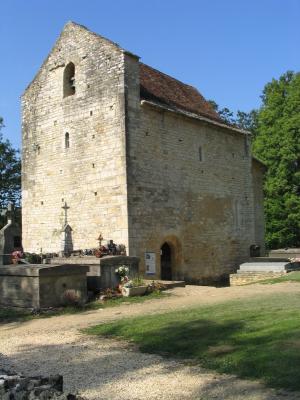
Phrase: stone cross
(66, 207)
(10, 213)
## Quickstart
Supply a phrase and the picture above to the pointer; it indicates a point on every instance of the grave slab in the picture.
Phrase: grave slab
(279, 266)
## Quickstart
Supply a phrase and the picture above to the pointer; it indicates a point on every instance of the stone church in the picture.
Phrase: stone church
(113, 146)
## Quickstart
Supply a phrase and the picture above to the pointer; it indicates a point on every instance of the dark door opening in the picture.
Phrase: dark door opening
(166, 262)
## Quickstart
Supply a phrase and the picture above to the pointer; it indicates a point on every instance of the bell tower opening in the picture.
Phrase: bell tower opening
(69, 80)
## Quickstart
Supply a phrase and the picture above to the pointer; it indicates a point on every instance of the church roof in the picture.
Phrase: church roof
(161, 88)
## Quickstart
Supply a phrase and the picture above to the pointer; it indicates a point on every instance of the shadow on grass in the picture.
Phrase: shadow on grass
(271, 354)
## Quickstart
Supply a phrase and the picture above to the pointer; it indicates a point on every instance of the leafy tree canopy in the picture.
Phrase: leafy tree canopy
(275, 129)
(242, 120)
(277, 143)
(10, 172)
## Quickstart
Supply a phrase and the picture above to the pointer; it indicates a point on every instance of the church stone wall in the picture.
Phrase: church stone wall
(90, 175)
(190, 185)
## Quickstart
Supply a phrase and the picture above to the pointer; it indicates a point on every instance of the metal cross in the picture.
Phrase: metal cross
(65, 207)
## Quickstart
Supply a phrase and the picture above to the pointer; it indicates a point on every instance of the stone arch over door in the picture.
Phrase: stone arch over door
(171, 258)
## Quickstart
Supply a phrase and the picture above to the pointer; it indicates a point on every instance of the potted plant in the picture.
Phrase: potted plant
(134, 287)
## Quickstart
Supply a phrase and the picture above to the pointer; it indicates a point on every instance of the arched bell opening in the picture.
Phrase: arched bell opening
(69, 80)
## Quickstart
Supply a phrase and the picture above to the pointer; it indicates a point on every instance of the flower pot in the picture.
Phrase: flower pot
(134, 291)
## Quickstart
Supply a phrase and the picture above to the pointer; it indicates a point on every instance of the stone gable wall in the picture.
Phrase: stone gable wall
(91, 174)
(203, 209)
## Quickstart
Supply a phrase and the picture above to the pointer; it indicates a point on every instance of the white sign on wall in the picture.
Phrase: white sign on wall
(150, 263)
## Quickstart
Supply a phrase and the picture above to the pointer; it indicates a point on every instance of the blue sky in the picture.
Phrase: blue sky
(228, 49)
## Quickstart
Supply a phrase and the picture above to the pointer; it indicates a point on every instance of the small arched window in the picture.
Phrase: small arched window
(69, 80)
(67, 140)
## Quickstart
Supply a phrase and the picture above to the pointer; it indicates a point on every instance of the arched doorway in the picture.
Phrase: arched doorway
(166, 262)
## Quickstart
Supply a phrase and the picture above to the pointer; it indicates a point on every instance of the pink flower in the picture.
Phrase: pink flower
(17, 254)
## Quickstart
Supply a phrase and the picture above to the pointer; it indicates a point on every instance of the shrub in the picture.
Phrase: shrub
(33, 258)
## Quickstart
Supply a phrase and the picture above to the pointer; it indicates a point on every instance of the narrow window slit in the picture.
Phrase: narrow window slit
(67, 140)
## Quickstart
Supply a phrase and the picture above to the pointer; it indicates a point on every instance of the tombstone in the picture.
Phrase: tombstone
(108, 266)
(66, 242)
(10, 236)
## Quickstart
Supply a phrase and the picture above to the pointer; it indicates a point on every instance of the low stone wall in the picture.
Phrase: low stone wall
(18, 387)
(245, 278)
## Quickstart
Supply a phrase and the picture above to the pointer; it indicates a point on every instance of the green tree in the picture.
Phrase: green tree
(277, 144)
(247, 121)
(10, 172)
(242, 120)
(224, 113)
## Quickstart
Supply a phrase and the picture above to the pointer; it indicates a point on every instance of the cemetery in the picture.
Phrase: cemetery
(42, 283)
(74, 277)
(68, 278)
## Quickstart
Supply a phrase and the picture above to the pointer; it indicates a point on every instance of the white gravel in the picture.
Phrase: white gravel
(109, 369)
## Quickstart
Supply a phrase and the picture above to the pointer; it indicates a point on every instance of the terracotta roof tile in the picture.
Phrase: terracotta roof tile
(161, 88)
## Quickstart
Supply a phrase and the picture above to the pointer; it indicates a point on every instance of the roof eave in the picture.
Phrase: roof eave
(195, 116)
(260, 162)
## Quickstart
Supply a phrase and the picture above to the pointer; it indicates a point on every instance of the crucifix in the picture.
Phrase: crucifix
(66, 207)
(100, 238)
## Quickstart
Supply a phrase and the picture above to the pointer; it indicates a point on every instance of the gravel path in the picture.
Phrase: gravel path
(108, 369)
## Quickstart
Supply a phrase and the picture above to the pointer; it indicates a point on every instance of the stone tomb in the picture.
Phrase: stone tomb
(287, 253)
(42, 286)
(262, 268)
(101, 271)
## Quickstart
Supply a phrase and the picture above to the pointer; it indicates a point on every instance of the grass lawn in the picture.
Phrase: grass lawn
(289, 277)
(12, 314)
(256, 338)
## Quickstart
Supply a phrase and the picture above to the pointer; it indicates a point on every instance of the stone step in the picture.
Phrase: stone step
(169, 284)
(245, 278)
(241, 275)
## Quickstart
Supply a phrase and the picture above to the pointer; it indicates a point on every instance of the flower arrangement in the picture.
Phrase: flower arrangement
(71, 297)
(135, 282)
(16, 255)
(294, 260)
(122, 271)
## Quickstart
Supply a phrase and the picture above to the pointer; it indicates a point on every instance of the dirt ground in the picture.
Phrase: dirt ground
(109, 369)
